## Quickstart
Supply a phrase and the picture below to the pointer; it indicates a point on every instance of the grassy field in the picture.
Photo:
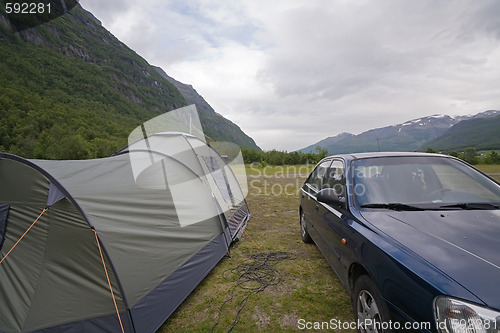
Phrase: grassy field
(304, 286)
(492, 170)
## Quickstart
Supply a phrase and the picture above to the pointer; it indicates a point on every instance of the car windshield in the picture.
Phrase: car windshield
(421, 182)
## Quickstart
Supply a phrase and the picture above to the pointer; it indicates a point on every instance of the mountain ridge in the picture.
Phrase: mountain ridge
(411, 135)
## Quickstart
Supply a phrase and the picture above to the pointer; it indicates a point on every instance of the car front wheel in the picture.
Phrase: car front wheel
(306, 238)
(370, 310)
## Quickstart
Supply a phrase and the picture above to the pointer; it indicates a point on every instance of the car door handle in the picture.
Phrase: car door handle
(316, 208)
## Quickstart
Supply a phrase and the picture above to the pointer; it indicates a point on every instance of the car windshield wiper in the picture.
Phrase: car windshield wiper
(393, 206)
(472, 206)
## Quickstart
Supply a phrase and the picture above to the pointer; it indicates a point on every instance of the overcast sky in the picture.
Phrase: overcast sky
(293, 72)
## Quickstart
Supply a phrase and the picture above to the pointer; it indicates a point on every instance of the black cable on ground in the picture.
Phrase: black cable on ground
(253, 276)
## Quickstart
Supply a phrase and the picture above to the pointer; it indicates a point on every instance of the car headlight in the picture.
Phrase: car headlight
(455, 316)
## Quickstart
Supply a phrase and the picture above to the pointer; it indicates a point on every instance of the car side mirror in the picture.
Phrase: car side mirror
(329, 196)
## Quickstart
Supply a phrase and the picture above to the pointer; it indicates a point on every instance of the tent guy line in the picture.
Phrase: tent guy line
(109, 282)
(27, 230)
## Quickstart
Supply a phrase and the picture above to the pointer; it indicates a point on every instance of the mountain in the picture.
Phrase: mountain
(214, 125)
(330, 141)
(71, 90)
(408, 136)
(478, 133)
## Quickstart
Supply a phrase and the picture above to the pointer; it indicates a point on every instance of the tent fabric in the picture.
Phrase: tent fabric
(151, 307)
(54, 195)
(102, 324)
(55, 274)
(159, 215)
(205, 163)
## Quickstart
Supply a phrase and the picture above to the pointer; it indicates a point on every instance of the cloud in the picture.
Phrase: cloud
(290, 73)
(341, 50)
(109, 10)
(174, 30)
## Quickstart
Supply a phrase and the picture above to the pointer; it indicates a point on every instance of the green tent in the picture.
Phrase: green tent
(113, 244)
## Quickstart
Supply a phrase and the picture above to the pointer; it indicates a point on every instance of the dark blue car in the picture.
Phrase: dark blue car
(413, 237)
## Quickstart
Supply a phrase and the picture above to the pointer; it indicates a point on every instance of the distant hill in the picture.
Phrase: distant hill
(408, 136)
(71, 90)
(328, 142)
(478, 133)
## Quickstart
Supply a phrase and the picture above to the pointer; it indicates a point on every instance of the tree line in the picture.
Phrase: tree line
(276, 157)
(471, 156)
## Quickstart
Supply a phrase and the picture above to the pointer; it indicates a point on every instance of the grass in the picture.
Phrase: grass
(493, 170)
(308, 289)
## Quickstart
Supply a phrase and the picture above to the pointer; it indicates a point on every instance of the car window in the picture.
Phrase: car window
(453, 180)
(336, 177)
(319, 177)
(420, 180)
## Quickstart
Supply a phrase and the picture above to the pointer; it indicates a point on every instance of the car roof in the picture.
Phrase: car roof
(356, 156)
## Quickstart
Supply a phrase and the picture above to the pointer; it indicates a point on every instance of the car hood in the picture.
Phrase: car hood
(463, 244)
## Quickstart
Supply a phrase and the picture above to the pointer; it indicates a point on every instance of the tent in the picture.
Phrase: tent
(113, 244)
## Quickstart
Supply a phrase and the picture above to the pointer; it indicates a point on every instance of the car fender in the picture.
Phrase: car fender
(388, 263)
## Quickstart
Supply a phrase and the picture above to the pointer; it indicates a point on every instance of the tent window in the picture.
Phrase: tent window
(219, 177)
(4, 211)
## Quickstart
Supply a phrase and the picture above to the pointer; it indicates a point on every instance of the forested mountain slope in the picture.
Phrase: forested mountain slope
(71, 90)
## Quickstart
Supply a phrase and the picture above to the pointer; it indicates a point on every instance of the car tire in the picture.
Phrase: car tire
(370, 309)
(306, 238)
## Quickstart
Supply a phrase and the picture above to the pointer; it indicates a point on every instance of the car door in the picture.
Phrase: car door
(314, 183)
(328, 219)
